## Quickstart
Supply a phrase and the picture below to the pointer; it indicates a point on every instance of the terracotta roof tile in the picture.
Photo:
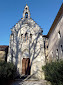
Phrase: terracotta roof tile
(3, 46)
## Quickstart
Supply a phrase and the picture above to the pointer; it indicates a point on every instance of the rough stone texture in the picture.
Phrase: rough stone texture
(3, 52)
(55, 51)
(2, 55)
(26, 41)
(53, 41)
(40, 82)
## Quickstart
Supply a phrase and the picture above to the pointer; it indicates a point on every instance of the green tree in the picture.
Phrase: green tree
(7, 71)
(54, 72)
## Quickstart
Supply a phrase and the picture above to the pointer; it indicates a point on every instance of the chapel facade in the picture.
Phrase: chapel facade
(26, 48)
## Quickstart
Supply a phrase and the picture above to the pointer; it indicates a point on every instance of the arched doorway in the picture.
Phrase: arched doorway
(26, 66)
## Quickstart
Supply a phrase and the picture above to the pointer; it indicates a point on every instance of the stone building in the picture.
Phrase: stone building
(29, 49)
(26, 48)
(54, 39)
(3, 52)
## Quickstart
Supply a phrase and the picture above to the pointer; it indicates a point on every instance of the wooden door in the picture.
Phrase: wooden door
(23, 66)
(26, 66)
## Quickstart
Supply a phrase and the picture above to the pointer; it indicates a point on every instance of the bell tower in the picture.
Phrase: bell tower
(26, 13)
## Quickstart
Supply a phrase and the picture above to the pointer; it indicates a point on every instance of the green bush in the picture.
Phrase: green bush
(7, 71)
(54, 72)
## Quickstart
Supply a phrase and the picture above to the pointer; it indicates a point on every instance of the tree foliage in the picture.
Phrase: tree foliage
(7, 71)
(54, 72)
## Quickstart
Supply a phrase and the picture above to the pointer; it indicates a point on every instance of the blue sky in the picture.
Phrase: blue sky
(43, 12)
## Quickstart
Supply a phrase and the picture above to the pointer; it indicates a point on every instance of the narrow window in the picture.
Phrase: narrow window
(31, 36)
(59, 34)
(61, 49)
(26, 15)
(57, 54)
(47, 46)
(21, 37)
(44, 44)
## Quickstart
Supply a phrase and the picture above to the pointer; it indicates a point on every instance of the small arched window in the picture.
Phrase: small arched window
(21, 37)
(56, 52)
(61, 49)
(31, 36)
(26, 8)
(26, 15)
(59, 34)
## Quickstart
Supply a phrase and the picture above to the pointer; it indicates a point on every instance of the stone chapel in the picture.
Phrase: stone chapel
(29, 49)
(26, 47)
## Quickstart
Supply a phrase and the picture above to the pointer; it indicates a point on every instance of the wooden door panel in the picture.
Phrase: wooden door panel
(23, 66)
(26, 66)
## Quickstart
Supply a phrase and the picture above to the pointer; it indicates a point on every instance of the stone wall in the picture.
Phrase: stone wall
(3, 52)
(26, 41)
(55, 46)
(2, 55)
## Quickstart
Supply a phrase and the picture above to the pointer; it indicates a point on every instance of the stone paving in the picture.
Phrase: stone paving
(40, 82)
(29, 80)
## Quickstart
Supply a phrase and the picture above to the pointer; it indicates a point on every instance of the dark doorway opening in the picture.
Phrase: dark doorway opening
(26, 66)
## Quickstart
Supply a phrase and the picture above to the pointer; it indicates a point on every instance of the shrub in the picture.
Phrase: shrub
(7, 71)
(54, 72)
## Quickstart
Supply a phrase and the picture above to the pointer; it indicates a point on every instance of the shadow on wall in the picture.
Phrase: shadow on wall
(32, 45)
(57, 49)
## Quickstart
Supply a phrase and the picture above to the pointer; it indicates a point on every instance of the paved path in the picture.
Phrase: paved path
(30, 80)
(40, 82)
